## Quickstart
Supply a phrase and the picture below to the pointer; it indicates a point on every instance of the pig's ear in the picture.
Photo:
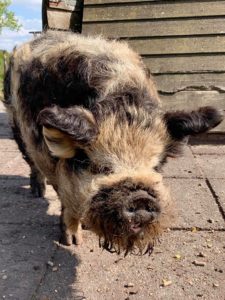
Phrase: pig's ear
(64, 129)
(182, 124)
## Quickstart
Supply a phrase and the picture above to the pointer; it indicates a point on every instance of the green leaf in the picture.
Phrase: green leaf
(7, 17)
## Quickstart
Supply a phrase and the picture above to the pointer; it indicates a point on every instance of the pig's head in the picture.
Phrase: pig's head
(110, 165)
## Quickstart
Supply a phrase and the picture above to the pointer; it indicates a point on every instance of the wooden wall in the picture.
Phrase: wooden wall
(182, 42)
(62, 14)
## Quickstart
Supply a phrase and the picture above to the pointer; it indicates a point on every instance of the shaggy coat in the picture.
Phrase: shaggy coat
(86, 115)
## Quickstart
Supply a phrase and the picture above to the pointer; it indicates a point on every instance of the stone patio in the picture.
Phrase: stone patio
(188, 263)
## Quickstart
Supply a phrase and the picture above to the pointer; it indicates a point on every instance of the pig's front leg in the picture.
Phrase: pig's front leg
(37, 182)
(71, 231)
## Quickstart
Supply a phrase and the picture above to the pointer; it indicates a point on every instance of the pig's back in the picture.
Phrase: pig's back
(68, 69)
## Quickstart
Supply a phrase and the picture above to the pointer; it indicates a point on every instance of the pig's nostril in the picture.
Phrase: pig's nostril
(152, 209)
(131, 209)
(147, 215)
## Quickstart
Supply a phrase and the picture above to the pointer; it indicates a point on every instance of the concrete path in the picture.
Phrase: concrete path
(189, 263)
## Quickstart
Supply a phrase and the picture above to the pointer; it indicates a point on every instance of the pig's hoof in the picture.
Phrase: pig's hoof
(66, 239)
(78, 240)
(37, 188)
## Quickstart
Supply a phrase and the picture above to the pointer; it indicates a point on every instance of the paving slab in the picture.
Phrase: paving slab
(29, 234)
(218, 186)
(19, 207)
(101, 275)
(8, 145)
(15, 167)
(208, 149)
(194, 204)
(7, 157)
(60, 279)
(25, 251)
(28, 228)
(212, 166)
(183, 166)
(5, 130)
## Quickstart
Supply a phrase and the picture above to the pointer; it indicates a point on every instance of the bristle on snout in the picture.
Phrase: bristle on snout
(126, 217)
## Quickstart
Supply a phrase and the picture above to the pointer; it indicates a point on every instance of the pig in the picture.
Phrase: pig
(87, 118)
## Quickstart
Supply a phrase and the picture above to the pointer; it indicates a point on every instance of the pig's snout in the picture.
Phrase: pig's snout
(142, 210)
(126, 215)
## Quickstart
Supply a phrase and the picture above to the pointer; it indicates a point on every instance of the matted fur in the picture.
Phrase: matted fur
(86, 115)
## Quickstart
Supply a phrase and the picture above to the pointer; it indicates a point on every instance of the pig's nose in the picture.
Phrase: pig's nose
(144, 216)
(144, 209)
(145, 204)
(141, 196)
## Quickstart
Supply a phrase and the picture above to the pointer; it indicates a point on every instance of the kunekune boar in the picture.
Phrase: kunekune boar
(86, 116)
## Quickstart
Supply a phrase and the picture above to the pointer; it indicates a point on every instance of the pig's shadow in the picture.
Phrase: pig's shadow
(29, 238)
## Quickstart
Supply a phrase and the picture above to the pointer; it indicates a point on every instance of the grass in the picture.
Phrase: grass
(1, 72)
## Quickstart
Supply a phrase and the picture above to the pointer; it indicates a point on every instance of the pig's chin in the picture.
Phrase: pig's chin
(119, 238)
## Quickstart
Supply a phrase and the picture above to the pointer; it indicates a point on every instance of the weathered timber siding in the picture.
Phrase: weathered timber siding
(182, 42)
(62, 14)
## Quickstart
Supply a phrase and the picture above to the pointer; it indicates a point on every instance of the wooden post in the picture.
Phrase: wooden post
(62, 15)
(45, 4)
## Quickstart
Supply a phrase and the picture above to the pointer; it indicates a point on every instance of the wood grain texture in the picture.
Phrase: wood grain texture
(176, 83)
(215, 44)
(154, 10)
(70, 5)
(102, 2)
(191, 100)
(182, 42)
(186, 64)
(156, 28)
(65, 20)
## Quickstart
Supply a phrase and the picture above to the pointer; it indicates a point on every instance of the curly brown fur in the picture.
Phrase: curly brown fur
(181, 124)
(89, 118)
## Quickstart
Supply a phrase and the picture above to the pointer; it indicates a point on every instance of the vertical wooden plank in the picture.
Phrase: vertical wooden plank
(62, 15)
(44, 14)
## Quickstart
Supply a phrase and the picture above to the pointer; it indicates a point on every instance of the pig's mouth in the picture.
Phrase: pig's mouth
(134, 244)
(134, 237)
(135, 228)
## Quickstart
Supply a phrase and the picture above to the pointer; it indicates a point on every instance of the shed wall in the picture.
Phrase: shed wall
(182, 42)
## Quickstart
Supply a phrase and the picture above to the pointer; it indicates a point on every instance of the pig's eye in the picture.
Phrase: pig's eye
(95, 169)
(79, 162)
